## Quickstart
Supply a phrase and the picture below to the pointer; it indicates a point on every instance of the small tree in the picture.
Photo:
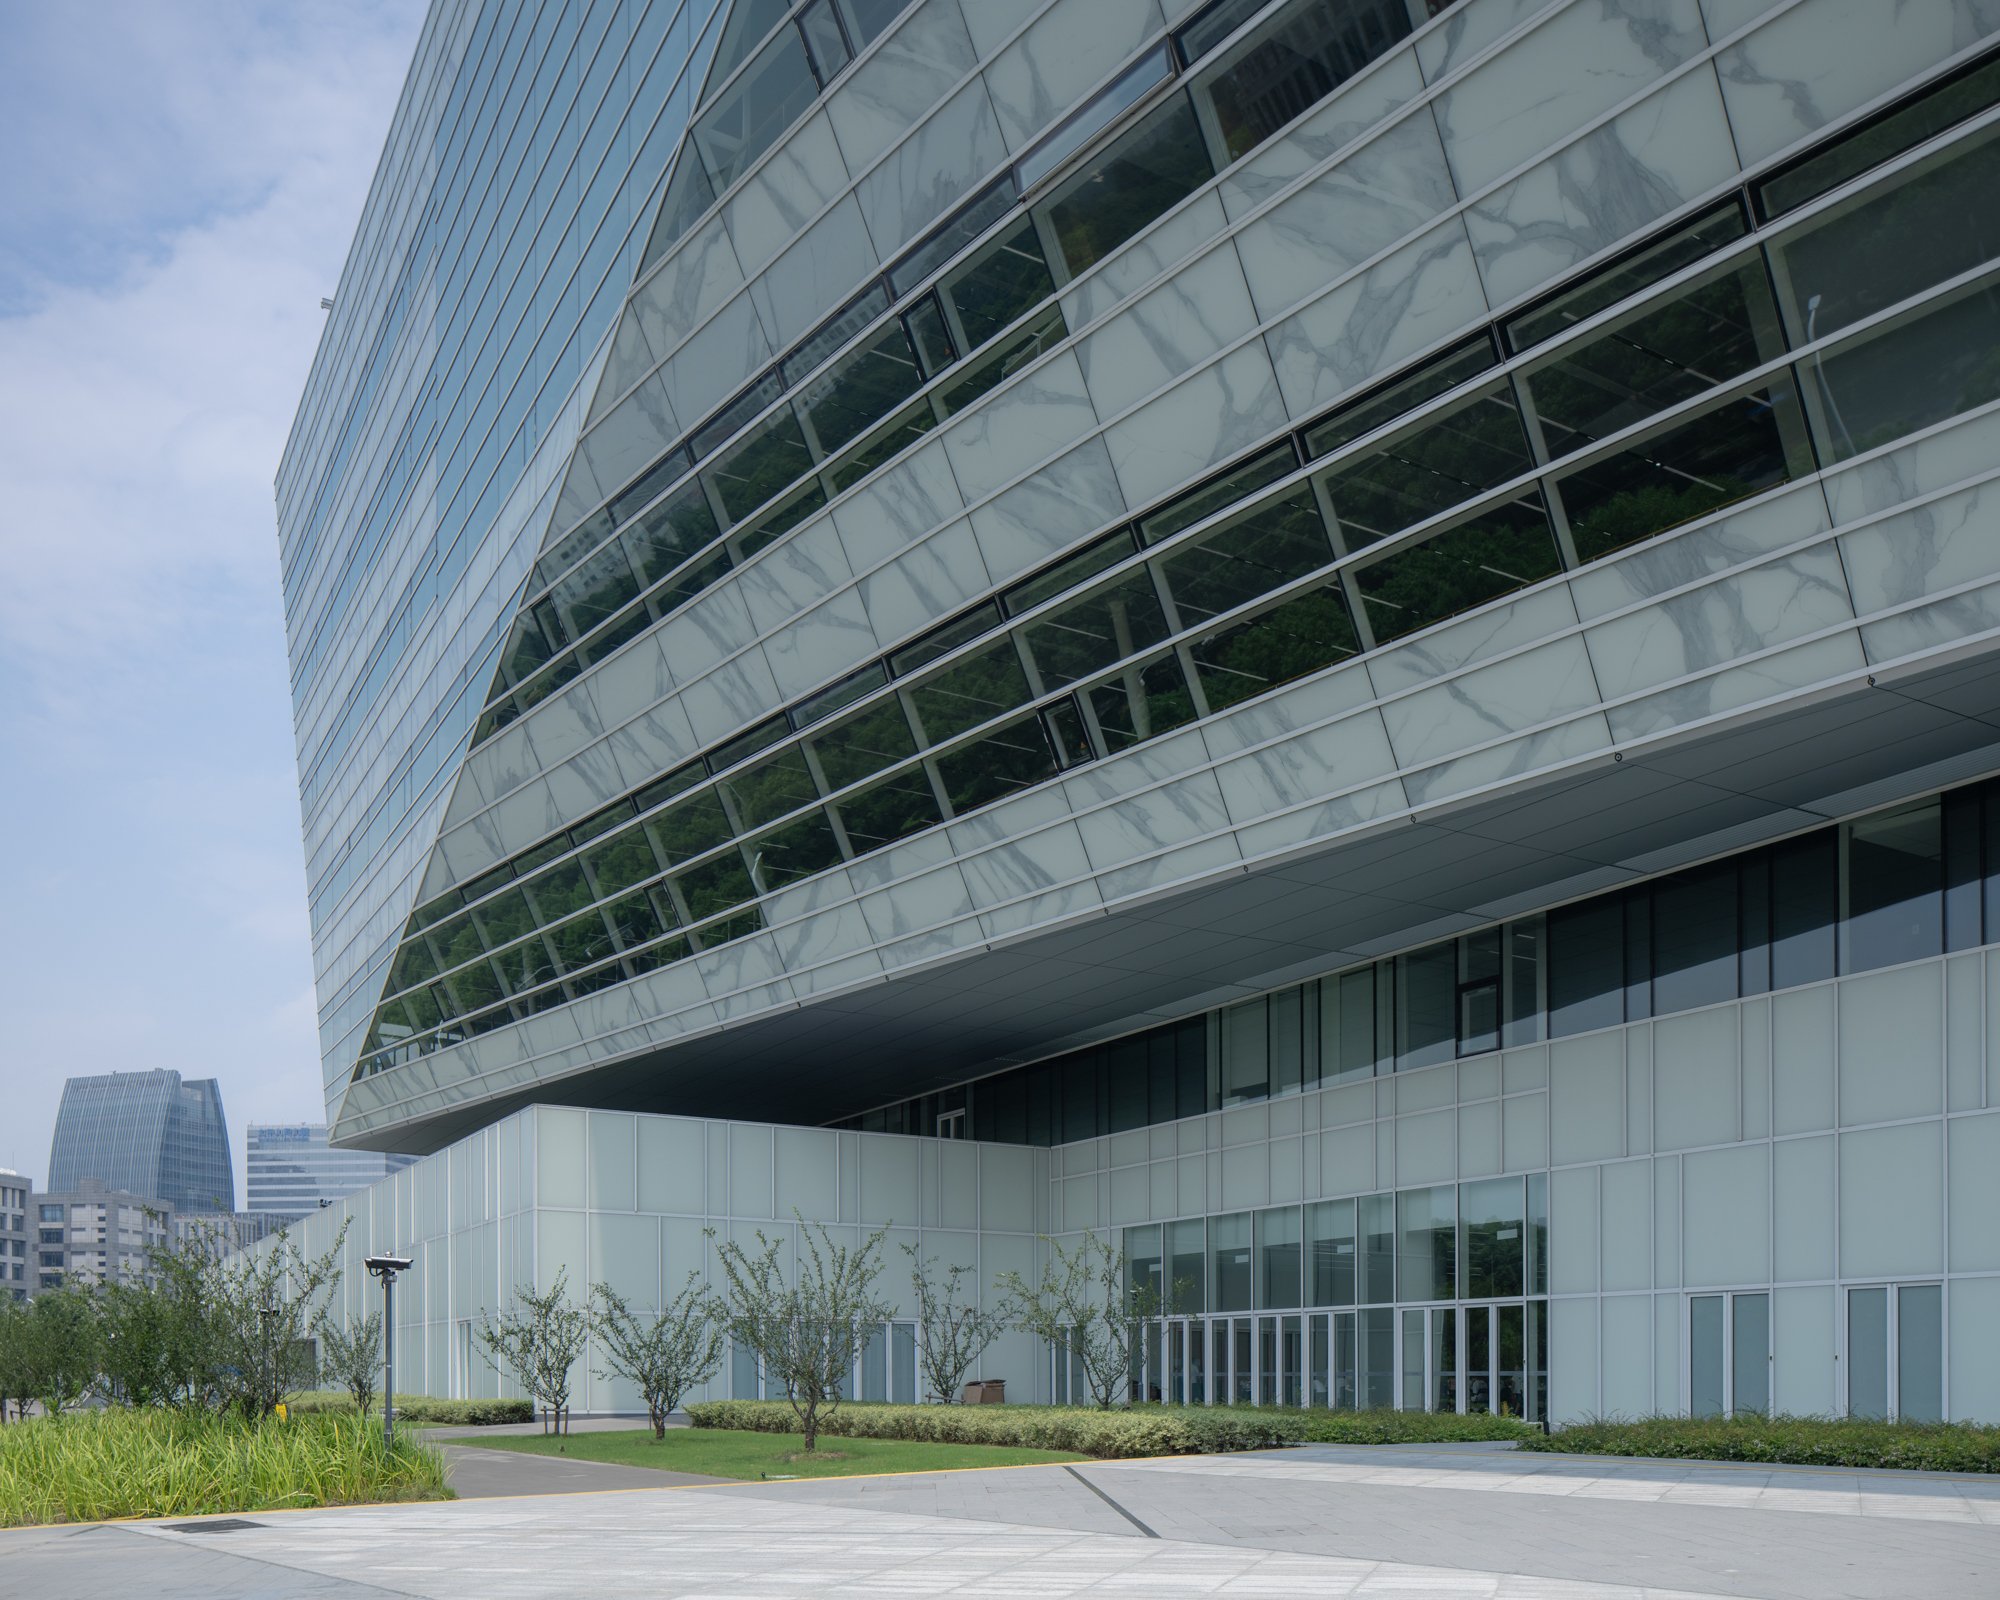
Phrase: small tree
(143, 1363)
(17, 1367)
(805, 1332)
(351, 1356)
(539, 1341)
(65, 1341)
(952, 1331)
(1079, 1304)
(666, 1356)
(261, 1305)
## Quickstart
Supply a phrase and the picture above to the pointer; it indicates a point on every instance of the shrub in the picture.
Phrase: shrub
(418, 1408)
(1111, 1435)
(1797, 1441)
(176, 1463)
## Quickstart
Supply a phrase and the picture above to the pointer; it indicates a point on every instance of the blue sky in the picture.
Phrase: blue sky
(181, 182)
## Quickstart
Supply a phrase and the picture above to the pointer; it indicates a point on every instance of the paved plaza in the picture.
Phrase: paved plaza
(1462, 1522)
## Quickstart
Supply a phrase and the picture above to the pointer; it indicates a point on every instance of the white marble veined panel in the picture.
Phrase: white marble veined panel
(632, 354)
(514, 823)
(1691, 554)
(731, 696)
(928, 52)
(563, 724)
(588, 780)
(901, 505)
(717, 361)
(991, 21)
(1202, 421)
(631, 681)
(1469, 28)
(928, 900)
(1520, 757)
(797, 573)
(635, 430)
(1730, 617)
(1283, 711)
(1070, 497)
(1163, 868)
(1175, 327)
(1131, 267)
(1943, 622)
(700, 634)
(1072, 45)
(1343, 814)
(1381, 193)
(931, 170)
(1952, 540)
(1821, 60)
(1534, 687)
(502, 765)
(746, 976)
(817, 272)
(1577, 64)
(1741, 685)
(1466, 641)
(1724, 17)
(1965, 449)
(1414, 298)
(924, 583)
(1033, 418)
(1316, 762)
(697, 278)
(820, 645)
(800, 176)
(1028, 865)
(1372, 97)
(653, 742)
(1608, 186)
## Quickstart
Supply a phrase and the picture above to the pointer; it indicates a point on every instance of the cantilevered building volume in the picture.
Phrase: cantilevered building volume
(1360, 649)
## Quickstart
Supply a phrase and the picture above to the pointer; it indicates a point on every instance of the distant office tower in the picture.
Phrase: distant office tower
(146, 1133)
(96, 1234)
(14, 1277)
(290, 1169)
(1353, 643)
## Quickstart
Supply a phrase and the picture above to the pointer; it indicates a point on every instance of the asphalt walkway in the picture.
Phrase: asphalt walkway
(1482, 1525)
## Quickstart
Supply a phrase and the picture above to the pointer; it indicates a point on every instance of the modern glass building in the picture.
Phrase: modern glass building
(144, 1133)
(291, 1171)
(1355, 643)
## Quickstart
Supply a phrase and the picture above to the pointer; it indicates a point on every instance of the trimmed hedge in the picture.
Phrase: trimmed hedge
(1109, 1435)
(417, 1408)
(1791, 1441)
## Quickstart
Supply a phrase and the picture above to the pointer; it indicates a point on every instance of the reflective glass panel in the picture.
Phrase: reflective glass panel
(1292, 62)
(1490, 1215)
(995, 286)
(685, 831)
(1330, 1253)
(797, 850)
(768, 790)
(1504, 548)
(1238, 484)
(757, 466)
(1308, 632)
(885, 812)
(665, 535)
(878, 737)
(1123, 187)
(1446, 459)
(770, 95)
(1004, 762)
(1144, 700)
(1894, 888)
(1095, 630)
(976, 687)
(1607, 287)
(1248, 556)
(861, 387)
(1427, 1242)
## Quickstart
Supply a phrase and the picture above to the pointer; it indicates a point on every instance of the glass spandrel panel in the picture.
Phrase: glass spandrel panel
(1448, 458)
(1331, 1258)
(1705, 1360)
(1750, 1354)
(1492, 1224)
(1308, 632)
(1138, 177)
(1695, 938)
(1238, 484)
(604, 584)
(713, 887)
(686, 830)
(749, 472)
(860, 388)
(1296, 59)
(824, 39)
(1267, 546)
(1670, 350)
(889, 440)
(1919, 1353)
(1894, 882)
(865, 744)
(1143, 701)
(773, 92)
(1436, 377)
(1501, 549)
(1229, 1273)
(997, 285)
(667, 534)
(952, 235)
(1095, 630)
(1741, 446)
(1868, 1353)
(973, 689)
(1922, 368)
(1006, 761)
(770, 789)
(1000, 360)
(1805, 909)
(1858, 258)
(1427, 1242)
(1603, 289)
(1099, 113)
(1883, 139)
(796, 850)
(885, 812)
(1279, 1259)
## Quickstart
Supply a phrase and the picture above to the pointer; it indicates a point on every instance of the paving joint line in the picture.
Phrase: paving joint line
(1113, 1504)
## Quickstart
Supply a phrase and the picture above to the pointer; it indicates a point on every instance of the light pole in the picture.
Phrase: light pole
(386, 1268)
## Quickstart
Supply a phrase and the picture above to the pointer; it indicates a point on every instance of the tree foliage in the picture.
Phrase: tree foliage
(952, 1330)
(665, 1356)
(1079, 1306)
(351, 1357)
(805, 1328)
(539, 1342)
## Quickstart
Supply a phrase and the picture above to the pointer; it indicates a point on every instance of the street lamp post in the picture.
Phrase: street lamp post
(386, 1268)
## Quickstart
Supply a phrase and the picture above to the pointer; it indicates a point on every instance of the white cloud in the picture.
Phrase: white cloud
(205, 165)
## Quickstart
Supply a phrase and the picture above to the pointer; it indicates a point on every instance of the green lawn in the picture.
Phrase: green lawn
(722, 1454)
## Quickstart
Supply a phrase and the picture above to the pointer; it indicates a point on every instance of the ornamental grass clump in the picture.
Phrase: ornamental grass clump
(178, 1462)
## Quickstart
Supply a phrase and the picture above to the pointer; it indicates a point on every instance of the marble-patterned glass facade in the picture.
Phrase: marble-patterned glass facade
(1235, 527)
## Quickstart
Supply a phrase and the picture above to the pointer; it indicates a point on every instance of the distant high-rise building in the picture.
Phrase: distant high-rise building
(96, 1234)
(289, 1169)
(15, 1279)
(146, 1133)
